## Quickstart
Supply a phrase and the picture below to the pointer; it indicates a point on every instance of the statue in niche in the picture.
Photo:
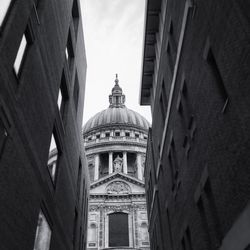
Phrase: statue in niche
(117, 164)
(118, 187)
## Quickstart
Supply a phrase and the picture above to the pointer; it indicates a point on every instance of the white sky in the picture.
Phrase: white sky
(113, 33)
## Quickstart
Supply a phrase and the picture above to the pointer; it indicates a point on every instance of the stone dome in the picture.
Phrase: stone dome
(116, 114)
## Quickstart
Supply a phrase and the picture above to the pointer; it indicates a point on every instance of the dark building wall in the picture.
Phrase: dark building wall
(29, 116)
(195, 77)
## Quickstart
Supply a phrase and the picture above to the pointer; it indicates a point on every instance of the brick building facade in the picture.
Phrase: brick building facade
(195, 76)
(43, 175)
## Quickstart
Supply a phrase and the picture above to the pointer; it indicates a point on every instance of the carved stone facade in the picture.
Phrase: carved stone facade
(115, 150)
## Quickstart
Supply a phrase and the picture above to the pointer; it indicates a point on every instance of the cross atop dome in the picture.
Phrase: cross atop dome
(116, 79)
(117, 99)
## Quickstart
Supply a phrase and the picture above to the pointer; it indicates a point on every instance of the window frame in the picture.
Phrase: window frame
(47, 247)
(63, 89)
(50, 155)
(75, 16)
(5, 16)
(76, 91)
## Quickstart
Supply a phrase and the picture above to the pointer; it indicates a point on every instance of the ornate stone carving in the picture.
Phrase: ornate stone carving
(117, 208)
(117, 164)
(118, 187)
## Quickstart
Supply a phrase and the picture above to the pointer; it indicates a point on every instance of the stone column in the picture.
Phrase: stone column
(125, 163)
(139, 166)
(110, 162)
(97, 162)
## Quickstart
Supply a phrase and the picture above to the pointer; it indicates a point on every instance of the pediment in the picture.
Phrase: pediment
(117, 184)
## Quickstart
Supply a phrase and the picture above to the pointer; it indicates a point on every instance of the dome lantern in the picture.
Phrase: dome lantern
(116, 99)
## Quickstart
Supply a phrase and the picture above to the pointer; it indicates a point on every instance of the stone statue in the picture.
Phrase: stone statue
(117, 164)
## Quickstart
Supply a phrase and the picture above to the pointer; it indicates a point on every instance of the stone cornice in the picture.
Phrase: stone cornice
(117, 196)
(116, 208)
(115, 126)
(102, 144)
(115, 176)
(90, 153)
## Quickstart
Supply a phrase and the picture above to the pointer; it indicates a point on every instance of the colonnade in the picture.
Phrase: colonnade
(125, 165)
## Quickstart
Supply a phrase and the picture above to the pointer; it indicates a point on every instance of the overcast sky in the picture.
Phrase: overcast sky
(113, 33)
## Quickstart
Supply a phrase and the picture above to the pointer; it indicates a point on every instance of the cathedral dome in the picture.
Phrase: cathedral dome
(116, 114)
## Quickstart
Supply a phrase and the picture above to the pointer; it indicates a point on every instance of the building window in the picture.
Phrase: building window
(218, 78)
(107, 134)
(137, 135)
(75, 228)
(75, 16)
(43, 233)
(127, 134)
(35, 8)
(186, 240)
(174, 167)
(182, 105)
(170, 58)
(53, 157)
(3, 137)
(117, 133)
(79, 177)
(62, 96)
(98, 136)
(5, 4)
(20, 55)
(69, 52)
(163, 102)
(144, 233)
(76, 91)
(91, 172)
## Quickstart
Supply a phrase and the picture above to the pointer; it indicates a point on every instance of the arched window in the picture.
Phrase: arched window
(92, 233)
(118, 235)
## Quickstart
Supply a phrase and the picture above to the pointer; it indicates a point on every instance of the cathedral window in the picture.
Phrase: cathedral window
(91, 172)
(144, 233)
(92, 235)
(43, 233)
